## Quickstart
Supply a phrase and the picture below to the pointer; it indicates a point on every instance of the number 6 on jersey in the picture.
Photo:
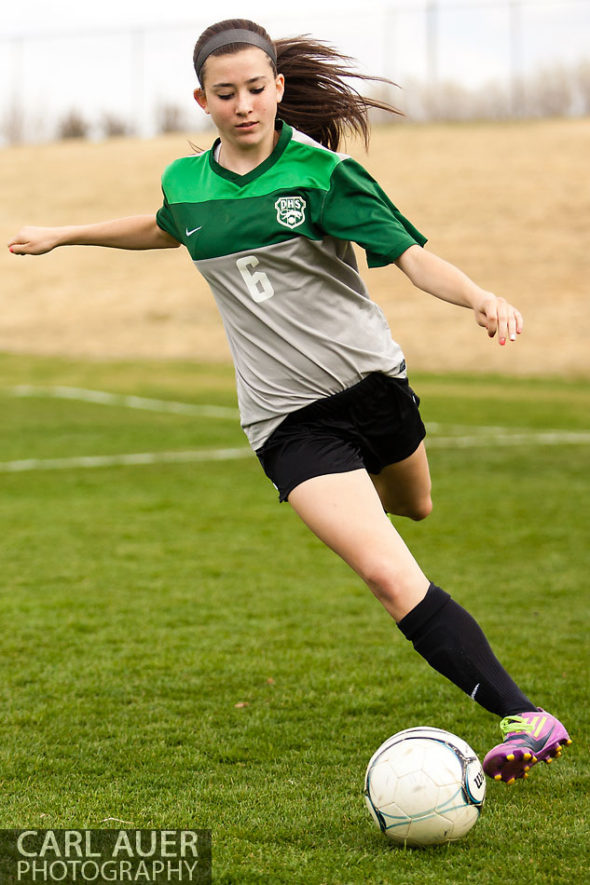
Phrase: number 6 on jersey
(258, 284)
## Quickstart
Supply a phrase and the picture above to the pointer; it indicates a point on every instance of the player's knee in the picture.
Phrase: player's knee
(384, 581)
(416, 509)
(422, 509)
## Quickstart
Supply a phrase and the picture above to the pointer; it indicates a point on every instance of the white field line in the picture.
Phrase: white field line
(463, 436)
(130, 402)
(138, 459)
(505, 437)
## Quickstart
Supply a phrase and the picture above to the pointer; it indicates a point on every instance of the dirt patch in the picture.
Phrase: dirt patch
(508, 203)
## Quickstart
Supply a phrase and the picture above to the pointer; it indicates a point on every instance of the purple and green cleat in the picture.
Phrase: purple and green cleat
(528, 739)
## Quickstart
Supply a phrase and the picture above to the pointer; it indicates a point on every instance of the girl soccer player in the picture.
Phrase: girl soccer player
(268, 215)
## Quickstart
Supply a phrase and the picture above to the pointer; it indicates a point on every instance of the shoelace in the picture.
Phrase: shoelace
(515, 723)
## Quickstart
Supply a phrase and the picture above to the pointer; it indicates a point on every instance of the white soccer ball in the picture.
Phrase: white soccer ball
(424, 786)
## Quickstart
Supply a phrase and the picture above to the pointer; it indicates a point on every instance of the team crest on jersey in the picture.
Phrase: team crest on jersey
(290, 211)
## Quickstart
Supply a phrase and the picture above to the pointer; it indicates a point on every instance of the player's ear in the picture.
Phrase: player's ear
(280, 82)
(201, 99)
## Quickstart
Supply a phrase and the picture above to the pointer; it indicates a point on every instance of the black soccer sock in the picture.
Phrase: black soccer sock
(454, 644)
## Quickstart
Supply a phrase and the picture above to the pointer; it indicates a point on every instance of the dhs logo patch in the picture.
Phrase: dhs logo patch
(290, 211)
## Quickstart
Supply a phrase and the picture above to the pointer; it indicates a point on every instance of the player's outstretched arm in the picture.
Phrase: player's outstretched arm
(134, 232)
(442, 279)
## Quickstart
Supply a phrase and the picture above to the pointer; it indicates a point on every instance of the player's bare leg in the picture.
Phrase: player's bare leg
(404, 488)
(346, 513)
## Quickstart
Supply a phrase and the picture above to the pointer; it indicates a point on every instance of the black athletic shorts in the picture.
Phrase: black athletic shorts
(372, 424)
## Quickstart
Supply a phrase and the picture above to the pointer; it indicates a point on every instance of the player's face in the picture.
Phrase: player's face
(241, 94)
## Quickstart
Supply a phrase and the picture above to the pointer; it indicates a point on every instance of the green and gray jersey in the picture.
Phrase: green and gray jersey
(275, 247)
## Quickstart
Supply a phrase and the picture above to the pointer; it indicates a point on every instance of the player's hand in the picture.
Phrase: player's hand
(34, 240)
(499, 318)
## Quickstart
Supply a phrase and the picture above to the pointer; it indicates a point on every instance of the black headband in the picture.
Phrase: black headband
(235, 35)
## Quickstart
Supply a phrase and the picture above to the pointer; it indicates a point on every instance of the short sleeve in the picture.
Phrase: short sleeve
(165, 220)
(356, 208)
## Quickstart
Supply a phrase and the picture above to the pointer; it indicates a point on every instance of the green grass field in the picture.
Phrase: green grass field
(178, 651)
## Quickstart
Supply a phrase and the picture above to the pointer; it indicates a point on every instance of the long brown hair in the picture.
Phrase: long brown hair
(317, 98)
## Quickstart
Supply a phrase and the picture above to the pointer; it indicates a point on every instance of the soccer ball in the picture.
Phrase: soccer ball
(424, 786)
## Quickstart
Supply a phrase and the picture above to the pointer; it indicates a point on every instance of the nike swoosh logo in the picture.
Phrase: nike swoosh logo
(534, 745)
(189, 233)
